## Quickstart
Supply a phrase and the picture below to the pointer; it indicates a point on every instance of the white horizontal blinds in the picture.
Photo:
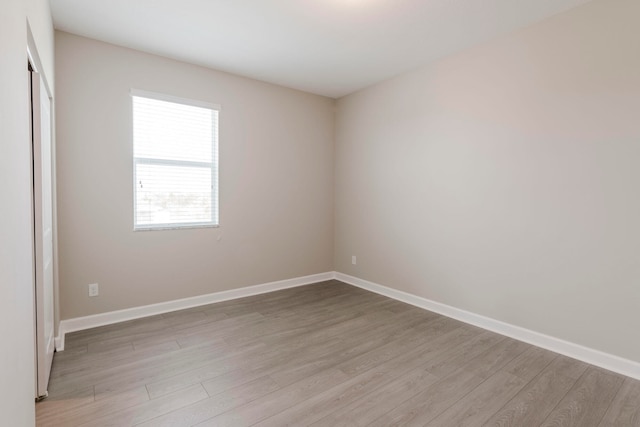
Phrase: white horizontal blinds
(175, 163)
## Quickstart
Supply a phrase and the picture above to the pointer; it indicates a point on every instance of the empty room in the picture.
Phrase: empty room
(320, 213)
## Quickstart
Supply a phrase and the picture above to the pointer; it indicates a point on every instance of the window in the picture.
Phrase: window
(175, 162)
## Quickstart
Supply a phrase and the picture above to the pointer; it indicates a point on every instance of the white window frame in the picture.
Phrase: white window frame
(214, 165)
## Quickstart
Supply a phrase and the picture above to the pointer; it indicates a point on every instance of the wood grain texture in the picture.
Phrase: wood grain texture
(373, 405)
(481, 403)
(327, 354)
(533, 403)
(588, 400)
(216, 404)
(625, 408)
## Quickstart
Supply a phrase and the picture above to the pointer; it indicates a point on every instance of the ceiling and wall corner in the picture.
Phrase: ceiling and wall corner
(327, 47)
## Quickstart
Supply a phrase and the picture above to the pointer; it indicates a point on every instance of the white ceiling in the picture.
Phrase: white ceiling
(327, 47)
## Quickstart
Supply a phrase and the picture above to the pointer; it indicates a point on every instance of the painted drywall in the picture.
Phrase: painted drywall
(17, 390)
(504, 180)
(276, 183)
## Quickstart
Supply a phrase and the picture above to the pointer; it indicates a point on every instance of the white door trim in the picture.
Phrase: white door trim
(42, 163)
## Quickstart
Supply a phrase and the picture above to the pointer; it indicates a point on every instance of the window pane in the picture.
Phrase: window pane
(175, 145)
(173, 194)
(171, 131)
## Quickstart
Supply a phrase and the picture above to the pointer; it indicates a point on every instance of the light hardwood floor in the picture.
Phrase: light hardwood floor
(327, 354)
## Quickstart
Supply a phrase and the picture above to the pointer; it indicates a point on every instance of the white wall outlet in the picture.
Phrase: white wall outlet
(93, 290)
(353, 259)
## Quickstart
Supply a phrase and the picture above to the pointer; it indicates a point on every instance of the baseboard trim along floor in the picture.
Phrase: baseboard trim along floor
(595, 357)
(102, 319)
(604, 360)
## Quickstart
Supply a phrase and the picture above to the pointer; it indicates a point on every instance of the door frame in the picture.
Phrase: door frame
(34, 64)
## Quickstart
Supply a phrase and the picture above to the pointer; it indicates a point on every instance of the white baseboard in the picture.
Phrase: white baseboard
(88, 322)
(595, 357)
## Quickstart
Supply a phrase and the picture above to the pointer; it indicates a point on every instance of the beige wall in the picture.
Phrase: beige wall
(276, 193)
(505, 180)
(16, 260)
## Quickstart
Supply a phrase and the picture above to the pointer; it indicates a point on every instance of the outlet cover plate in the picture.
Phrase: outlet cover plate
(93, 290)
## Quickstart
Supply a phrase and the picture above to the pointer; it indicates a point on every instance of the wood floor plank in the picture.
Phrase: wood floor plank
(530, 363)
(216, 404)
(369, 340)
(150, 409)
(95, 362)
(53, 405)
(279, 400)
(464, 352)
(161, 368)
(366, 351)
(334, 326)
(361, 384)
(495, 358)
(261, 363)
(324, 354)
(177, 323)
(569, 367)
(269, 366)
(159, 346)
(533, 403)
(129, 329)
(76, 416)
(481, 403)
(587, 402)
(425, 406)
(429, 403)
(624, 411)
(366, 361)
(162, 386)
(154, 363)
(216, 331)
(322, 404)
(289, 366)
(375, 404)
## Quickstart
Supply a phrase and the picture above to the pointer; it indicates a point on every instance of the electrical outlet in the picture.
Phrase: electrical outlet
(353, 259)
(93, 290)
